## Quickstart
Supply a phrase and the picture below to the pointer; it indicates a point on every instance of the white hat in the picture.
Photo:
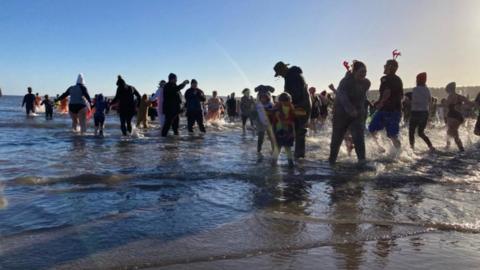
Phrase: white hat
(80, 79)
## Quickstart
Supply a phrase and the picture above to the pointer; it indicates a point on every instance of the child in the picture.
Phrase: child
(48, 108)
(264, 107)
(143, 111)
(284, 127)
(101, 107)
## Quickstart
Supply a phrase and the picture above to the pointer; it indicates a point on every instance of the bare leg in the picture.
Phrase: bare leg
(74, 117)
(82, 116)
(375, 139)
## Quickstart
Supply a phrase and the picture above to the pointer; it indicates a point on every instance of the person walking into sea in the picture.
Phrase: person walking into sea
(389, 105)
(101, 108)
(159, 98)
(214, 108)
(48, 103)
(142, 114)
(283, 122)
(316, 107)
(263, 113)
(420, 108)
(297, 88)
(126, 104)
(29, 102)
(247, 107)
(232, 108)
(454, 117)
(172, 101)
(194, 97)
(77, 106)
(349, 112)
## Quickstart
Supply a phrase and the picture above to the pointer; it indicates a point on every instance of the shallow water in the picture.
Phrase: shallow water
(204, 202)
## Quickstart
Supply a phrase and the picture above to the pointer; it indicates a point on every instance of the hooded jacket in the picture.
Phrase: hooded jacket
(295, 85)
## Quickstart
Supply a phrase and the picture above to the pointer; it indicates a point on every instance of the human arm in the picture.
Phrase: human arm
(182, 85)
(85, 94)
(64, 95)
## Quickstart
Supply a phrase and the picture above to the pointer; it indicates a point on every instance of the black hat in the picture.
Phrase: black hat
(193, 81)
(172, 76)
(279, 66)
(120, 81)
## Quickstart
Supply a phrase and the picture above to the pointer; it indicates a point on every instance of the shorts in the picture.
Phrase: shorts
(386, 120)
(75, 108)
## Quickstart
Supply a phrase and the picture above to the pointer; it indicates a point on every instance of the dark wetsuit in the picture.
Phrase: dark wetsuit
(125, 97)
(232, 107)
(29, 102)
(48, 108)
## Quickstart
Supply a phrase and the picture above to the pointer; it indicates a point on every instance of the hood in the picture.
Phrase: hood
(80, 79)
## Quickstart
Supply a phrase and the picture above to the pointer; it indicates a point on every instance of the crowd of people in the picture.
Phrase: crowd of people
(285, 118)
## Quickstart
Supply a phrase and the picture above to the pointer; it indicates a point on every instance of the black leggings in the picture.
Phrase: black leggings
(126, 123)
(418, 120)
(30, 109)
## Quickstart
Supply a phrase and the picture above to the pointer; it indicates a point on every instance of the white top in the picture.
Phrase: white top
(421, 99)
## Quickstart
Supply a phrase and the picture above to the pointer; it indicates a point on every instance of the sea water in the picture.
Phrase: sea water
(205, 202)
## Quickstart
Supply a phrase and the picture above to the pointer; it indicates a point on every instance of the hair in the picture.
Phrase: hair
(29, 89)
(357, 65)
(46, 96)
(285, 97)
(393, 63)
(215, 93)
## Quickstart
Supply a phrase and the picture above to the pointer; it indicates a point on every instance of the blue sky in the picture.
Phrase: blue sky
(228, 45)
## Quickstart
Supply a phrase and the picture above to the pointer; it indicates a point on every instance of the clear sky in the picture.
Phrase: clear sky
(228, 45)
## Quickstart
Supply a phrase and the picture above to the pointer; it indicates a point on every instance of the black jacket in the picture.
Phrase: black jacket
(172, 98)
(125, 97)
(295, 85)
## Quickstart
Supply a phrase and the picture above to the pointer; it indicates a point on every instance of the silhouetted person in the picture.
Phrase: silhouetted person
(232, 107)
(297, 88)
(125, 97)
(48, 103)
(172, 101)
(194, 97)
(29, 102)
